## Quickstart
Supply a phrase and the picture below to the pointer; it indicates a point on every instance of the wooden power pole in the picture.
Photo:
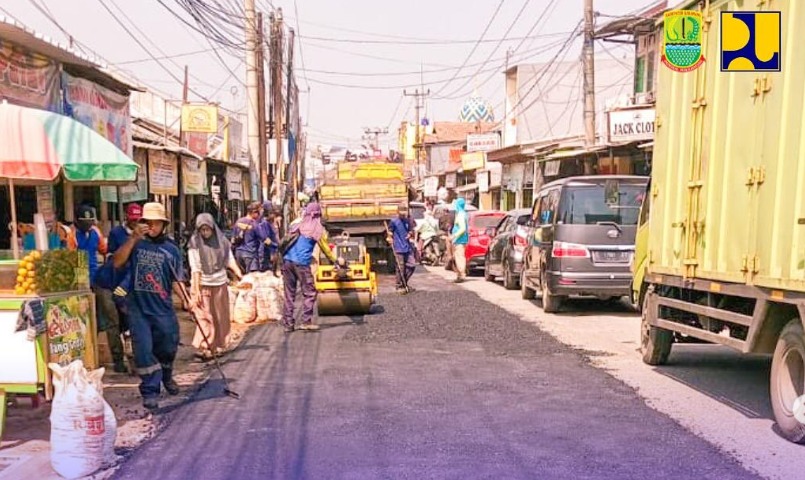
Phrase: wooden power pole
(261, 110)
(589, 81)
(276, 92)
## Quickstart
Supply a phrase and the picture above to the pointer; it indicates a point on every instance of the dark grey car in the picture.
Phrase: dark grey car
(505, 255)
(583, 237)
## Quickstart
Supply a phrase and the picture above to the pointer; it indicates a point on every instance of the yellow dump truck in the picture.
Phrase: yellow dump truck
(720, 254)
(359, 199)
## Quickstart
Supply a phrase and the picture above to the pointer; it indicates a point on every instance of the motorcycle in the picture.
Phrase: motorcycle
(432, 250)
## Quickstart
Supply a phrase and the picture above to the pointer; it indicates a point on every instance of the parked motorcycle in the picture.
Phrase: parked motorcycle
(433, 251)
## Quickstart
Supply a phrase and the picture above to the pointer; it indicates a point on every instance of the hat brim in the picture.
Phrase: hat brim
(155, 219)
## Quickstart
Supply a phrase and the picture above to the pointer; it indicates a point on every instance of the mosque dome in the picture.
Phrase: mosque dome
(476, 109)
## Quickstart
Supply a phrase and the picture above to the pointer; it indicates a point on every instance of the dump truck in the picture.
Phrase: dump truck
(720, 251)
(360, 199)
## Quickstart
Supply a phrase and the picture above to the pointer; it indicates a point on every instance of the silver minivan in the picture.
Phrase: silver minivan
(582, 240)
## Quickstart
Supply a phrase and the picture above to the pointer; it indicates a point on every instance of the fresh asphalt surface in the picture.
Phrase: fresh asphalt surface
(438, 384)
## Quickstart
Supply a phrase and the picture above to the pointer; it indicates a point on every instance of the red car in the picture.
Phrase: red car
(479, 239)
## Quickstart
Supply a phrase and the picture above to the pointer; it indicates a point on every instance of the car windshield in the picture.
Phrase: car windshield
(522, 219)
(485, 221)
(599, 203)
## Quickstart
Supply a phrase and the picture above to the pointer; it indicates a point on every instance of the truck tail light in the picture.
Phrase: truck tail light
(569, 250)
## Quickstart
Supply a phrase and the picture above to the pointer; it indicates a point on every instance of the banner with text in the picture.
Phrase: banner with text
(234, 183)
(163, 173)
(194, 176)
(28, 79)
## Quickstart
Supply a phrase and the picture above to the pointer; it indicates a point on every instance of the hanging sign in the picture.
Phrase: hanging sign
(200, 118)
(137, 191)
(99, 108)
(44, 202)
(431, 186)
(482, 142)
(194, 176)
(234, 183)
(473, 160)
(28, 79)
(482, 179)
(450, 180)
(163, 173)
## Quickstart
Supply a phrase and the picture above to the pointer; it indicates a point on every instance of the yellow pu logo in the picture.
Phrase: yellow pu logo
(751, 42)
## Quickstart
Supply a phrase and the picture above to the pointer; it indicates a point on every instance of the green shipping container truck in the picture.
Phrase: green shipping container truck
(720, 254)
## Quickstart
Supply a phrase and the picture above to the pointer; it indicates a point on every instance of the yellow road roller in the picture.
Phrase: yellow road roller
(350, 290)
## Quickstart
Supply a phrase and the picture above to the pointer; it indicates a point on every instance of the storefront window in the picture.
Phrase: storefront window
(639, 74)
(528, 197)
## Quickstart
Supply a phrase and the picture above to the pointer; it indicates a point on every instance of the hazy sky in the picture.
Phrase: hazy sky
(352, 84)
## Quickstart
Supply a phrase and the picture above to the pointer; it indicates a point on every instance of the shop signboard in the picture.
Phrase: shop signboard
(198, 143)
(44, 203)
(473, 161)
(194, 176)
(482, 179)
(70, 328)
(234, 183)
(431, 186)
(199, 118)
(137, 191)
(482, 142)
(28, 79)
(99, 108)
(163, 173)
(630, 125)
(450, 180)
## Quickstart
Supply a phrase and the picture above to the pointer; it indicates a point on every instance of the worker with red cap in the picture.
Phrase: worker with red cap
(113, 309)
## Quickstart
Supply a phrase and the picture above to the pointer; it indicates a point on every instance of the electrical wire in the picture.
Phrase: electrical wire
(448, 42)
(301, 50)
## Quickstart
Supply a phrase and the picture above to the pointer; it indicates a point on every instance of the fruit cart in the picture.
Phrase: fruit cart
(47, 314)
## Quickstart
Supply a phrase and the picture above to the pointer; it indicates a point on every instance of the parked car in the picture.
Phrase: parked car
(505, 255)
(475, 252)
(583, 238)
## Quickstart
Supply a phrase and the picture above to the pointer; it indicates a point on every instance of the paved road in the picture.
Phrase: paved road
(438, 384)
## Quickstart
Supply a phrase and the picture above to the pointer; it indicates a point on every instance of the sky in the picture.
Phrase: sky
(353, 58)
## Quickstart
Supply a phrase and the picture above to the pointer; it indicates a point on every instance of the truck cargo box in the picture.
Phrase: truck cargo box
(728, 174)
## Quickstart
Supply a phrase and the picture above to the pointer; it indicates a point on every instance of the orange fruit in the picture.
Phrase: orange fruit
(22, 271)
(19, 291)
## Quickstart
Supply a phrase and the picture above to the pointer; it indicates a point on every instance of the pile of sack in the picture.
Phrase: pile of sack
(83, 426)
(257, 297)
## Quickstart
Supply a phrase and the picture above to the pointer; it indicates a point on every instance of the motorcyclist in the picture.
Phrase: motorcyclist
(428, 230)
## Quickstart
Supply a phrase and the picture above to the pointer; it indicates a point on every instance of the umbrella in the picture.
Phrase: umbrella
(38, 146)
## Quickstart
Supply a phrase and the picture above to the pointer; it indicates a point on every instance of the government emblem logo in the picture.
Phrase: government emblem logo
(750, 41)
(682, 45)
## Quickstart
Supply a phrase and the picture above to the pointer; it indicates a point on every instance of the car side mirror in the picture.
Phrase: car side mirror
(491, 231)
(529, 223)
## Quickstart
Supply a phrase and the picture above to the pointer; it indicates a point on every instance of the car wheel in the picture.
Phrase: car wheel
(550, 303)
(509, 282)
(787, 372)
(655, 343)
(487, 272)
(525, 292)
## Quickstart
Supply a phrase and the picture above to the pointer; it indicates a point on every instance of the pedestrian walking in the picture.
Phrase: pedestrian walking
(269, 239)
(210, 255)
(155, 267)
(303, 237)
(107, 280)
(460, 237)
(400, 227)
(246, 240)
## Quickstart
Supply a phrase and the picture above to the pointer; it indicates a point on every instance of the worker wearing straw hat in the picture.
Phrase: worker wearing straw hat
(155, 264)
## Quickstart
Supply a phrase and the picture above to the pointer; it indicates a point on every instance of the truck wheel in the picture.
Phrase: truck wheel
(550, 303)
(525, 292)
(655, 343)
(787, 384)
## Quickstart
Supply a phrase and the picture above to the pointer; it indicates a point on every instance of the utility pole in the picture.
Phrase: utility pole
(292, 174)
(419, 98)
(373, 135)
(252, 87)
(589, 81)
(261, 109)
(185, 212)
(276, 91)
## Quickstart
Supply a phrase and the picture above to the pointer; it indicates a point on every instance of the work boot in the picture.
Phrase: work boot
(171, 387)
(151, 403)
(309, 327)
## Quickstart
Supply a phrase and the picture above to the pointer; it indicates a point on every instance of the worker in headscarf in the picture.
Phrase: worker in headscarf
(309, 233)
(460, 237)
(210, 255)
